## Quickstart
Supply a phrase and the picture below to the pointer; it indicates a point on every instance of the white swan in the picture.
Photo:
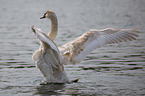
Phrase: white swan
(50, 58)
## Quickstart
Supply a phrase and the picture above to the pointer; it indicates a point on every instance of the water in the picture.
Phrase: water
(114, 70)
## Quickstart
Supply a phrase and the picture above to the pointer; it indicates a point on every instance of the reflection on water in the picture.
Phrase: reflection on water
(50, 89)
(112, 70)
(65, 89)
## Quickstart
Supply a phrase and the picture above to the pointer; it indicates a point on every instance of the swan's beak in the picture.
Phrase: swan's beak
(43, 16)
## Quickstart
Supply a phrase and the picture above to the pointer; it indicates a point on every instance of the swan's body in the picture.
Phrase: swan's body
(50, 58)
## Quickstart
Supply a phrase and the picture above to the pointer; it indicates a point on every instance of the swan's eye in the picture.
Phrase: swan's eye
(45, 14)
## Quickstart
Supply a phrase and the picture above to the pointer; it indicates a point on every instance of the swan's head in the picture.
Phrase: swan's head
(49, 14)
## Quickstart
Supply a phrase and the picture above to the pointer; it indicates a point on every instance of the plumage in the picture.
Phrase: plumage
(76, 50)
(50, 58)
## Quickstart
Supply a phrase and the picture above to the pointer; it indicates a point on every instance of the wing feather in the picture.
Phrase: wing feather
(50, 53)
(77, 50)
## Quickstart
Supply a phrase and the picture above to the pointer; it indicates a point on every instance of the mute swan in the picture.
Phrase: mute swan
(50, 58)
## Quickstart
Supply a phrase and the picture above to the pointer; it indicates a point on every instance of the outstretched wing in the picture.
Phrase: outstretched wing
(48, 54)
(76, 50)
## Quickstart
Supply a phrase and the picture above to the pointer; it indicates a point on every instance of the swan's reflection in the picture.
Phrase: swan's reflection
(55, 89)
(49, 89)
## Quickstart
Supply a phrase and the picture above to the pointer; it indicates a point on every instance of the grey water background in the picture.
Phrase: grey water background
(114, 70)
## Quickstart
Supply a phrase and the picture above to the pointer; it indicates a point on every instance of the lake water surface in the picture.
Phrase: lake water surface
(114, 70)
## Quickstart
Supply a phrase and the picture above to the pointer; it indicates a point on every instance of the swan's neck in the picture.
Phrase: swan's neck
(54, 27)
